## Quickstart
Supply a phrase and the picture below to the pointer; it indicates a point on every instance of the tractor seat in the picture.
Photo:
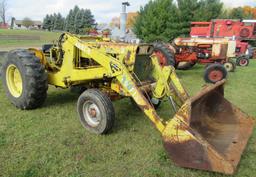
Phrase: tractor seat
(46, 48)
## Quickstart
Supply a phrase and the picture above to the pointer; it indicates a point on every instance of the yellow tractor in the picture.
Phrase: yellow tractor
(207, 132)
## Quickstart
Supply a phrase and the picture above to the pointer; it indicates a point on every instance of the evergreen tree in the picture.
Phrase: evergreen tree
(77, 21)
(208, 10)
(236, 13)
(52, 19)
(165, 20)
(88, 19)
(73, 19)
(157, 20)
(79, 24)
(187, 12)
(68, 21)
(58, 22)
(47, 23)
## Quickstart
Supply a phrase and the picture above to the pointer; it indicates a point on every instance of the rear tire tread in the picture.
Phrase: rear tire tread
(35, 85)
(166, 52)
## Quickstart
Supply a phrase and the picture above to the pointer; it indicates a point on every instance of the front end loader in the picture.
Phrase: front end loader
(207, 132)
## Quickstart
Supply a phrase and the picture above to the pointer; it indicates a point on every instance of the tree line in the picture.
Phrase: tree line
(164, 20)
(77, 21)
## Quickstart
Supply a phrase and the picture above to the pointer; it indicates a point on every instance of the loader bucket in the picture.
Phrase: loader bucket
(208, 132)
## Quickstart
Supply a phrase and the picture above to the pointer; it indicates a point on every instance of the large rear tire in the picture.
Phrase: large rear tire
(185, 65)
(215, 73)
(96, 111)
(24, 79)
(164, 54)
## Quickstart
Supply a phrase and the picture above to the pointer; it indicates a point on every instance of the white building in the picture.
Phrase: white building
(17, 24)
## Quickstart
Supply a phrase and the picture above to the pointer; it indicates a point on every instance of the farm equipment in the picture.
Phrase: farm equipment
(207, 132)
(243, 31)
(216, 53)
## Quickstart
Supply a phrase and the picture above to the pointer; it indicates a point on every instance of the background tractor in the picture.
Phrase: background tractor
(243, 31)
(216, 54)
(213, 43)
(207, 132)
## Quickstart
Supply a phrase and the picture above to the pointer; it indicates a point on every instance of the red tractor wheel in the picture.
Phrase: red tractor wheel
(164, 55)
(214, 73)
(162, 59)
(242, 61)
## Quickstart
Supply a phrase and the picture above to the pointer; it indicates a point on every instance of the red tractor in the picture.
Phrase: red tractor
(215, 53)
(216, 42)
(243, 31)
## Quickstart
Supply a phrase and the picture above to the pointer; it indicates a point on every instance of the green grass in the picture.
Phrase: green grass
(51, 142)
(45, 37)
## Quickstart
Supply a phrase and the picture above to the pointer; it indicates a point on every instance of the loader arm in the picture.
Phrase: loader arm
(167, 85)
(129, 85)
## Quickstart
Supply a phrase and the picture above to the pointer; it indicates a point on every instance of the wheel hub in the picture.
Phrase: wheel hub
(14, 81)
(228, 66)
(216, 75)
(243, 62)
(91, 114)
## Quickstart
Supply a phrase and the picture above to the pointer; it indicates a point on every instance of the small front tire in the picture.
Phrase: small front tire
(214, 73)
(96, 111)
(230, 66)
(242, 61)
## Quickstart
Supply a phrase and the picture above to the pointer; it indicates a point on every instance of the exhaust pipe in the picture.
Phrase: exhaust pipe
(123, 19)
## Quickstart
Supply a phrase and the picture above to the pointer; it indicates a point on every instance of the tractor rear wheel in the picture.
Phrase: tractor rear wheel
(242, 61)
(214, 73)
(24, 79)
(230, 66)
(96, 111)
(185, 65)
(164, 55)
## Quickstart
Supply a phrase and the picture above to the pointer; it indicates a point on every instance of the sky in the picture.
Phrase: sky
(103, 10)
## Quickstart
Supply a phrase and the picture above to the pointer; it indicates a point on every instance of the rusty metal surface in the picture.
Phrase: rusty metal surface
(193, 42)
(208, 132)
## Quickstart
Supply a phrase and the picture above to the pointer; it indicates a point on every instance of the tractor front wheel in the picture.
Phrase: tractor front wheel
(24, 79)
(96, 111)
(214, 73)
(242, 61)
(230, 66)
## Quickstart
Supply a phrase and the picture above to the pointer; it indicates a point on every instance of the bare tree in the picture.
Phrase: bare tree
(3, 9)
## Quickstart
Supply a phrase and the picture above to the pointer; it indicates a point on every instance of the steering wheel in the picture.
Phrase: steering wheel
(61, 40)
